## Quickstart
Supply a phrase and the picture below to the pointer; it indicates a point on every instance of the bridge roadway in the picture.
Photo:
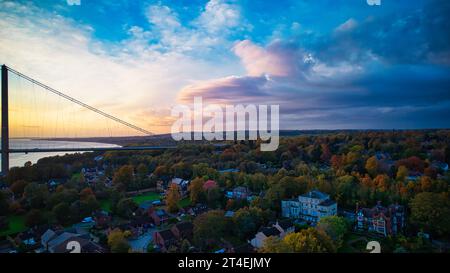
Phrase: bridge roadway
(102, 149)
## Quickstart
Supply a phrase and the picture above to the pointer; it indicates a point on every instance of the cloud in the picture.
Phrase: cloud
(219, 16)
(315, 93)
(132, 75)
(201, 35)
(348, 25)
(73, 2)
(259, 61)
(223, 90)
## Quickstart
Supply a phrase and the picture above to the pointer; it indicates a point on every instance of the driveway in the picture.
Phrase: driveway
(141, 243)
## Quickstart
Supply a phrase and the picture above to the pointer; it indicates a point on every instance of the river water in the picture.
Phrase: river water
(19, 159)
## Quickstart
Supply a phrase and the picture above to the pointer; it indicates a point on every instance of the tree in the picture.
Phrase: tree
(89, 205)
(209, 228)
(372, 166)
(309, 240)
(196, 190)
(18, 187)
(213, 197)
(126, 207)
(85, 193)
(275, 245)
(402, 173)
(123, 177)
(62, 213)
(4, 205)
(173, 197)
(36, 195)
(142, 172)
(335, 227)
(185, 246)
(34, 217)
(431, 212)
(117, 242)
(247, 221)
(425, 183)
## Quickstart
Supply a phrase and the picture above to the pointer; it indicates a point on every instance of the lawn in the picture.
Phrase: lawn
(16, 224)
(105, 205)
(151, 196)
(185, 202)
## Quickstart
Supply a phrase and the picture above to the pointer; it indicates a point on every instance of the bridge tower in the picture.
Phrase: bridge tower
(5, 121)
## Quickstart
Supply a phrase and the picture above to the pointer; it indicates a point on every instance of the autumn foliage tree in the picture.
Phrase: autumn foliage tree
(123, 177)
(173, 196)
(196, 192)
(117, 242)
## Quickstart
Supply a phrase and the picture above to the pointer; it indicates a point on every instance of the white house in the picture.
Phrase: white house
(309, 207)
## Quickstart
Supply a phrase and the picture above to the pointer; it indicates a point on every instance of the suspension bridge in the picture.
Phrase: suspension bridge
(37, 124)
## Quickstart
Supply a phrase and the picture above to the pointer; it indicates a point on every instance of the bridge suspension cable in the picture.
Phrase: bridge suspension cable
(78, 102)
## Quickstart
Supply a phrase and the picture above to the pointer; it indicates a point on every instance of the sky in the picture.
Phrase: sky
(329, 64)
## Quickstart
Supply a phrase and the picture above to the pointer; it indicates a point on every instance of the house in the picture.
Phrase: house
(440, 166)
(52, 184)
(102, 219)
(164, 239)
(382, 220)
(263, 234)
(182, 185)
(309, 207)
(28, 239)
(159, 216)
(238, 193)
(285, 227)
(198, 209)
(56, 241)
(161, 186)
(86, 246)
(183, 230)
(229, 171)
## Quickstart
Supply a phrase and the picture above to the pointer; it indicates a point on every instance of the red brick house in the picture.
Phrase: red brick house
(164, 239)
(183, 230)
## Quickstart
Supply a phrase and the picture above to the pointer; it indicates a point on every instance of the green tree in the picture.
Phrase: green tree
(335, 227)
(213, 197)
(247, 221)
(62, 213)
(36, 195)
(431, 212)
(4, 204)
(209, 228)
(126, 207)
